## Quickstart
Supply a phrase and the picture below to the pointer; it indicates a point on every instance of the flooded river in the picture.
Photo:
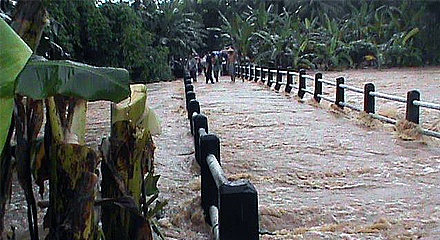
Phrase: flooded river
(320, 173)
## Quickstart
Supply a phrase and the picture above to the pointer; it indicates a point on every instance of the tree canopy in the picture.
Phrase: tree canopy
(144, 36)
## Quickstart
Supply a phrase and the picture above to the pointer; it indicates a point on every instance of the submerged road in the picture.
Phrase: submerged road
(320, 173)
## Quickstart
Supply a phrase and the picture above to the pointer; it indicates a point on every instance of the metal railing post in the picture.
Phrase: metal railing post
(302, 83)
(369, 100)
(412, 110)
(318, 87)
(340, 93)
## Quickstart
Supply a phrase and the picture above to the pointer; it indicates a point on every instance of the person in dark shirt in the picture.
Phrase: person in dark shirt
(208, 74)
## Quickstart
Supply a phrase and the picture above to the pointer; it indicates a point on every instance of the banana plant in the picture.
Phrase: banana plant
(13, 57)
(65, 87)
(127, 158)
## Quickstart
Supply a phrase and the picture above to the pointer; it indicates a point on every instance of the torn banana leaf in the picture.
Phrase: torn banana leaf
(136, 110)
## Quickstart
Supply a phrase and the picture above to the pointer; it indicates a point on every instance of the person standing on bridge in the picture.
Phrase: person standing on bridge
(192, 67)
(231, 63)
(216, 64)
(208, 73)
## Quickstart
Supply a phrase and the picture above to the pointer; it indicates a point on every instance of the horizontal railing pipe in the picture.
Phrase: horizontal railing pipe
(413, 102)
(427, 104)
(354, 89)
(388, 96)
(213, 214)
(328, 82)
(216, 170)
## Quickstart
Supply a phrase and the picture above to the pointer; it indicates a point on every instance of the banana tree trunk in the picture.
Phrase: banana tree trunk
(127, 157)
(5, 180)
(29, 21)
(72, 173)
(72, 192)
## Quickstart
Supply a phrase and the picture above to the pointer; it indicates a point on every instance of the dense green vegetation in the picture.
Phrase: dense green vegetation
(145, 36)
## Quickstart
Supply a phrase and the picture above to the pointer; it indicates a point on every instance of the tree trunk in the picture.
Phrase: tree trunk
(72, 192)
(5, 180)
(127, 157)
(28, 21)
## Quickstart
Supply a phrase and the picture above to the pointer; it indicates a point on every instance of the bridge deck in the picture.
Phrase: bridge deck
(318, 172)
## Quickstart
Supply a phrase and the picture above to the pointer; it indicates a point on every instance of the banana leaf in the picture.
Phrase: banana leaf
(14, 53)
(41, 79)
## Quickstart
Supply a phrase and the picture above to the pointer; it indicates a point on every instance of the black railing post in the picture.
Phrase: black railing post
(186, 81)
(279, 79)
(200, 121)
(318, 87)
(302, 83)
(252, 73)
(209, 144)
(245, 71)
(340, 93)
(238, 211)
(189, 96)
(412, 110)
(369, 100)
(193, 107)
(188, 88)
(289, 82)
(237, 70)
(270, 77)
(263, 75)
(257, 74)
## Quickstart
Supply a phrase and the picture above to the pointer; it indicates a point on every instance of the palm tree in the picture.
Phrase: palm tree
(176, 29)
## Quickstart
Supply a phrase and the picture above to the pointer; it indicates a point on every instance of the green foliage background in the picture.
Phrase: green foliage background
(145, 36)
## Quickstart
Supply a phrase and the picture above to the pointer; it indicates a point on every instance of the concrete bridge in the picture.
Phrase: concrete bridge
(319, 172)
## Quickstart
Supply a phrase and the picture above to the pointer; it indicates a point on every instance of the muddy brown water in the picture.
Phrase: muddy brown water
(320, 173)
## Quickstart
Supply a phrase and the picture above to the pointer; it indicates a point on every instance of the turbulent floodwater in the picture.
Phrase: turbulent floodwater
(320, 173)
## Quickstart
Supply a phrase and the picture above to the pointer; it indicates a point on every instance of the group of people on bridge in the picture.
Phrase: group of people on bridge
(212, 65)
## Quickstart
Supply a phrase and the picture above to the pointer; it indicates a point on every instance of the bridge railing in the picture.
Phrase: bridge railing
(299, 80)
(230, 207)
